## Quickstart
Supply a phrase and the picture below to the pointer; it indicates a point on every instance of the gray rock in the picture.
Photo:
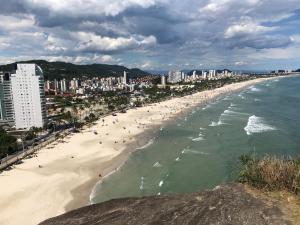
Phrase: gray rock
(226, 205)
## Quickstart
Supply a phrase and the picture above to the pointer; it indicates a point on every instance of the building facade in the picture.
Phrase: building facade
(25, 94)
(175, 77)
(6, 100)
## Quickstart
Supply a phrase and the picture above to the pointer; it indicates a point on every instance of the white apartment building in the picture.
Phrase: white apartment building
(28, 96)
(175, 77)
(125, 78)
(63, 85)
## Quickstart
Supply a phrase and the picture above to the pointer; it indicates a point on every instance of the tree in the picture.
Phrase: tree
(8, 144)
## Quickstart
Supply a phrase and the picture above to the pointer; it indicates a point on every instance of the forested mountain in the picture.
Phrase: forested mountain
(60, 70)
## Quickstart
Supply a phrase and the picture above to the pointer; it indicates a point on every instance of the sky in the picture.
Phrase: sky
(154, 34)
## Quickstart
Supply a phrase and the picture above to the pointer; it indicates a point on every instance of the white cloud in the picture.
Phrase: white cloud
(244, 29)
(106, 58)
(91, 42)
(9, 23)
(91, 7)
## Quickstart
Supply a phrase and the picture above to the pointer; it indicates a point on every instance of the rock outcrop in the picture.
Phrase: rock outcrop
(226, 205)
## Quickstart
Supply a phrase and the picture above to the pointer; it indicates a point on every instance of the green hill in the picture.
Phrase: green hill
(60, 70)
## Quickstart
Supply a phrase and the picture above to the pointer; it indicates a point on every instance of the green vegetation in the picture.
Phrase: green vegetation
(271, 173)
(60, 70)
(8, 144)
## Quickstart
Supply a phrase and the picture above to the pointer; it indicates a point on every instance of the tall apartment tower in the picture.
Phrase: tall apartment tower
(6, 100)
(63, 85)
(125, 78)
(28, 96)
(163, 80)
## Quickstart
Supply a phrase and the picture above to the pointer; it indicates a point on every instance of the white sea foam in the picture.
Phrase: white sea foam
(200, 134)
(198, 139)
(241, 95)
(201, 128)
(257, 125)
(228, 112)
(227, 98)
(177, 159)
(189, 151)
(206, 107)
(255, 89)
(150, 142)
(161, 183)
(142, 183)
(215, 124)
(157, 165)
(257, 100)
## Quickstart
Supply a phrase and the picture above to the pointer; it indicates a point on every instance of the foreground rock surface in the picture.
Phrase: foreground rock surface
(226, 205)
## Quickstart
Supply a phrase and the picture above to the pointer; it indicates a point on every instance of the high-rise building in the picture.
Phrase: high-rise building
(74, 84)
(56, 85)
(6, 101)
(125, 78)
(63, 85)
(47, 86)
(28, 96)
(212, 74)
(174, 77)
(163, 80)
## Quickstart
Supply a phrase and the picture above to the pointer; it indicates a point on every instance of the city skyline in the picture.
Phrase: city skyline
(154, 34)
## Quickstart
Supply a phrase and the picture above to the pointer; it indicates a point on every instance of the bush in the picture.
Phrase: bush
(271, 173)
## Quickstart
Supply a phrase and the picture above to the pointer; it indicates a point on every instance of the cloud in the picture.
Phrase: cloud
(245, 29)
(90, 42)
(150, 33)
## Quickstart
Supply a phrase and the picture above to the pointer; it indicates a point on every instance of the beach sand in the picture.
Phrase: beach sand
(30, 194)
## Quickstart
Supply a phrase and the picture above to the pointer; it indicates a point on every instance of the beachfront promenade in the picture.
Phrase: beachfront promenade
(10, 160)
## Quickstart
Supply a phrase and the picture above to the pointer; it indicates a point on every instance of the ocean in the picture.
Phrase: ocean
(202, 149)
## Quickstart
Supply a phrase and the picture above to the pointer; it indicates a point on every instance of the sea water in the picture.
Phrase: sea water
(202, 149)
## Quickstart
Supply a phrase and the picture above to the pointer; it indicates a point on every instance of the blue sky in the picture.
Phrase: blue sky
(154, 34)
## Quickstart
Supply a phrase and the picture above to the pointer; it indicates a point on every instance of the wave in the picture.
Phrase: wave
(161, 183)
(201, 128)
(228, 112)
(227, 98)
(215, 124)
(254, 89)
(200, 134)
(157, 165)
(206, 107)
(177, 159)
(142, 183)
(257, 125)
(150, 142)
(198, 139)
(189, 151)
(241, 96)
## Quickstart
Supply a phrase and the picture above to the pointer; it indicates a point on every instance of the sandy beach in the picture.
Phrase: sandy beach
(70, 169)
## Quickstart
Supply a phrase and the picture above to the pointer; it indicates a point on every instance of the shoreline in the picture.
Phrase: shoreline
(67, 178)
(124, 156)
